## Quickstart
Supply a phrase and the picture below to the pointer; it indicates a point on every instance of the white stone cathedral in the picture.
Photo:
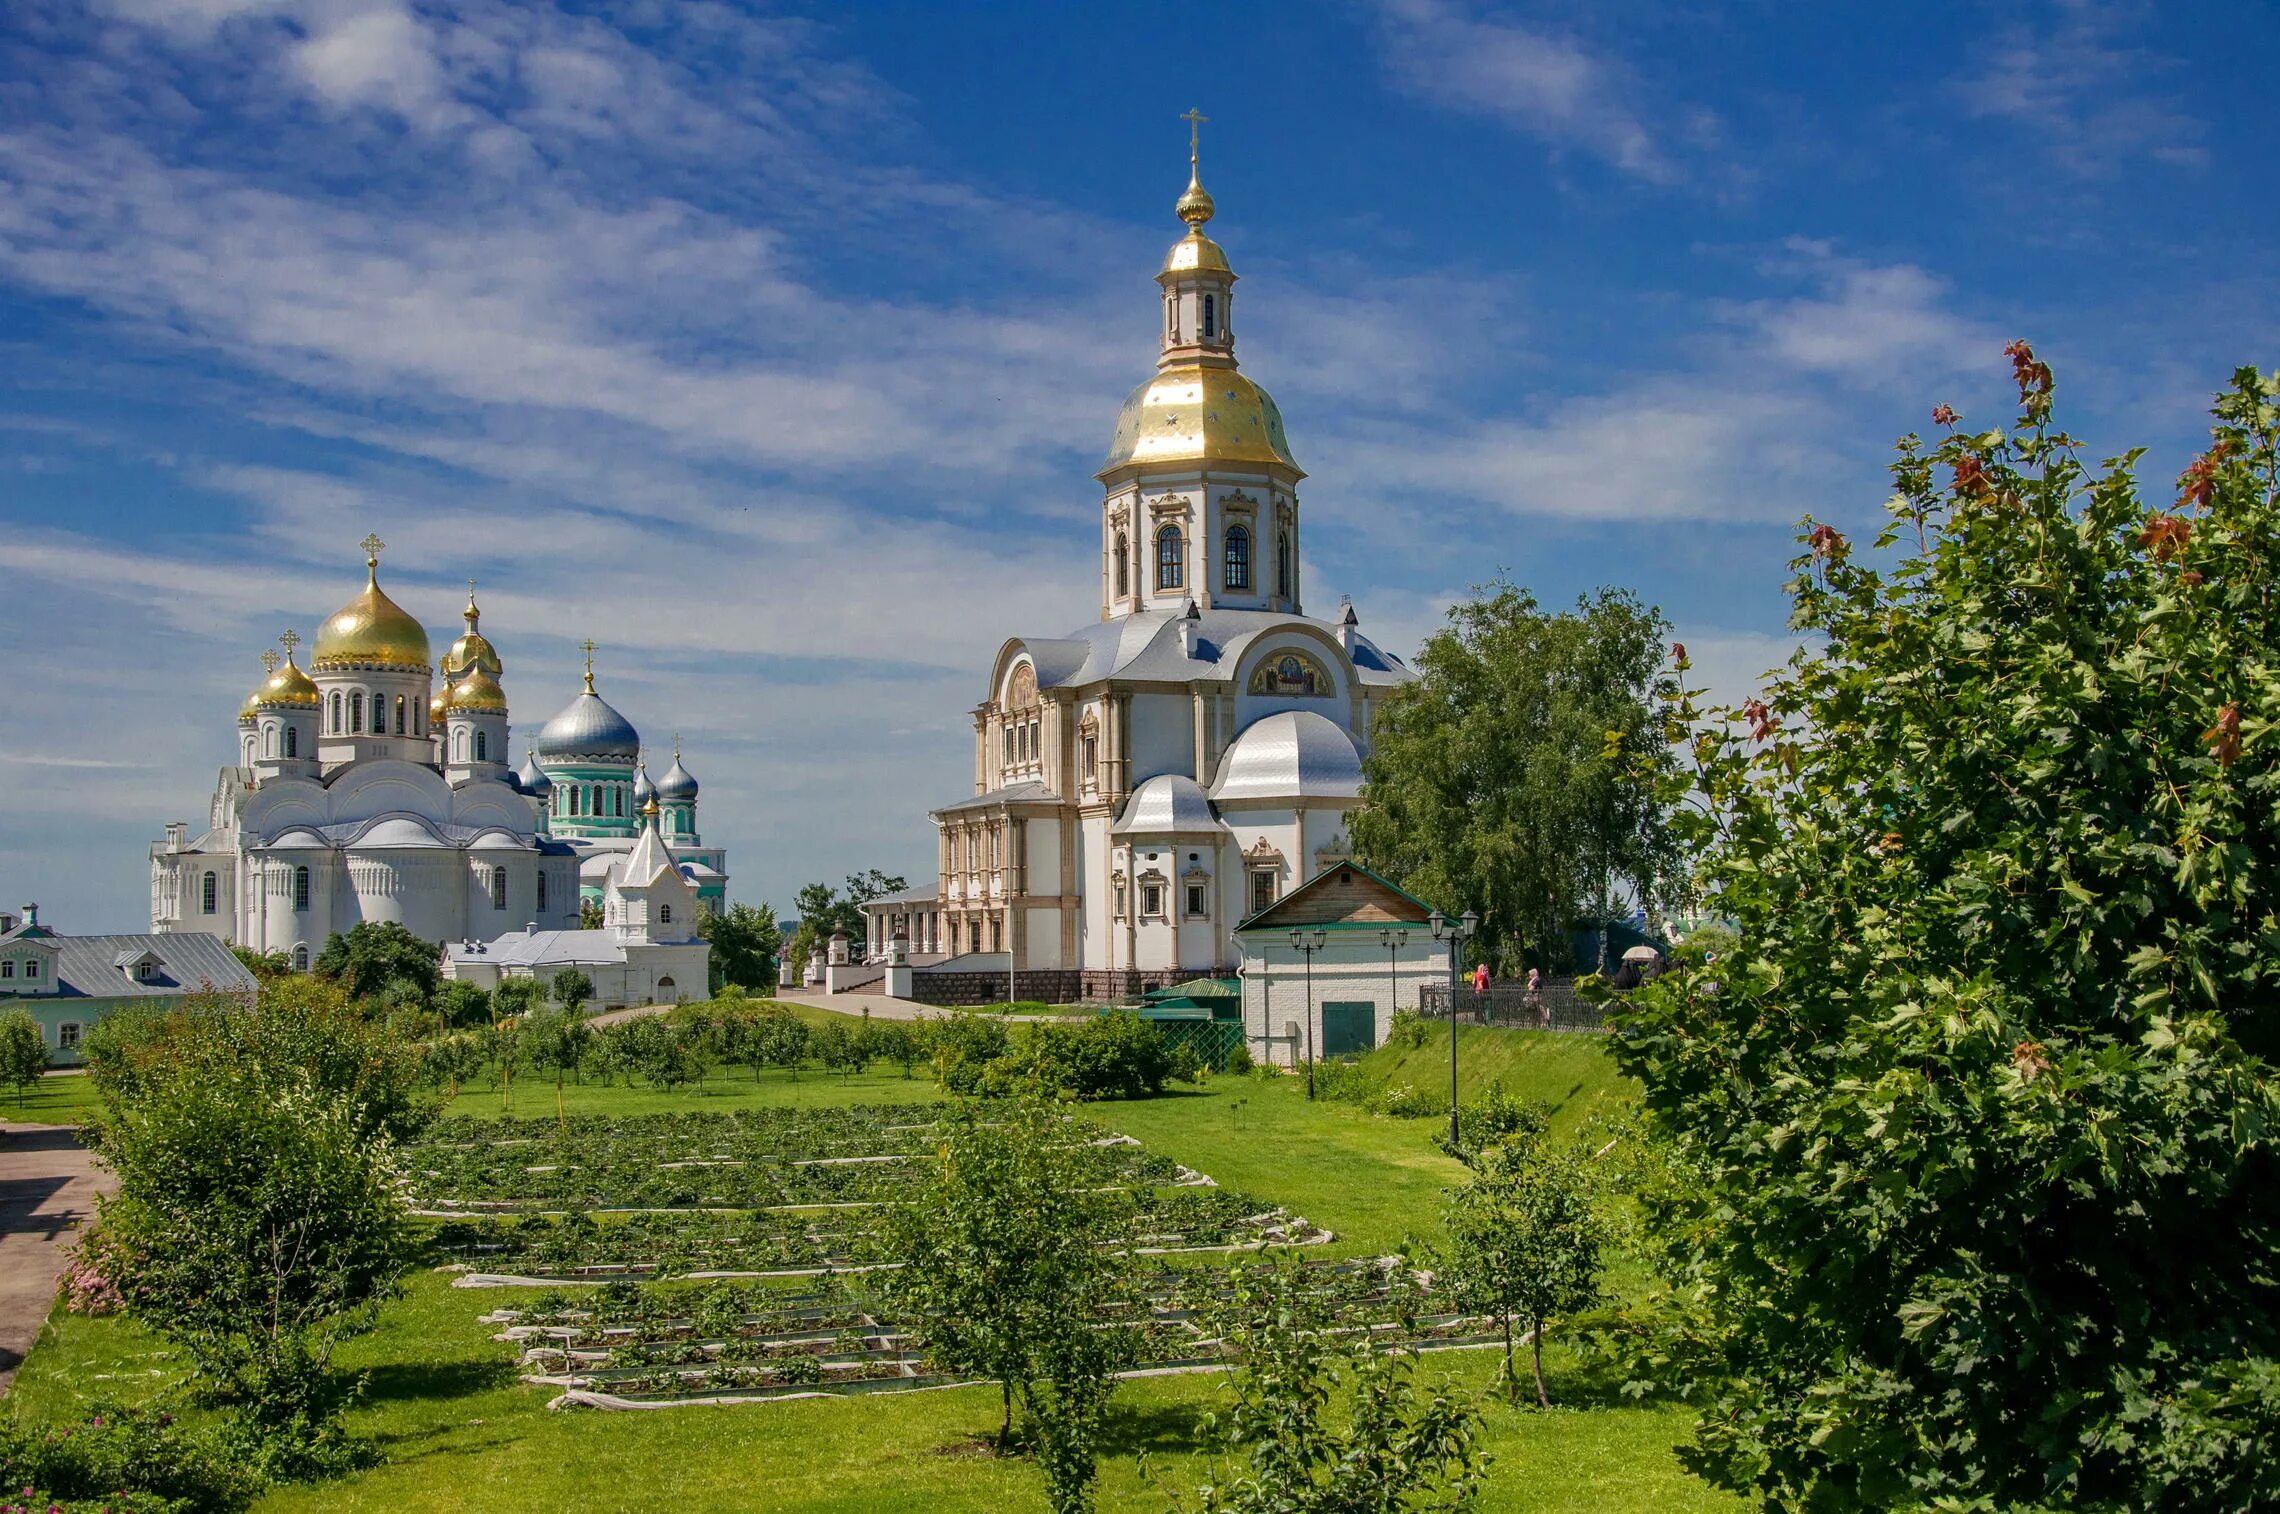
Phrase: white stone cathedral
(1147, 782)
(364, 792)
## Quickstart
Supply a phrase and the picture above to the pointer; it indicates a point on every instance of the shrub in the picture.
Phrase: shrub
(462, 1005)
(120, 1458)
(89, 1269)
(23, 1051)
(962, 1048)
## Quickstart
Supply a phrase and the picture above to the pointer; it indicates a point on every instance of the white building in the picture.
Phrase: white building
(1145, 782)
(363, 791)
(647, 951)
(1325, 967)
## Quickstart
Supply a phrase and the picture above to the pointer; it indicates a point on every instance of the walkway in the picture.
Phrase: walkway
(48, 1183)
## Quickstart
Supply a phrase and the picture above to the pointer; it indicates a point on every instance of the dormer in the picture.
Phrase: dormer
(141, 965)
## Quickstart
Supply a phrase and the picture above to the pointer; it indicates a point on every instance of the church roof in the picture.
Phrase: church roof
(1013, 793)
(90, 967)
(588, 727)
(1146, 647)
(1287, 755)
(546, 948)
(649, 857)
(1169, 804)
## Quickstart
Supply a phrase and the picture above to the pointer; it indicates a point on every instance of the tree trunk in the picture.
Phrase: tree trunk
(1005, 1425)
(1511, 1378)
(1536, 1348)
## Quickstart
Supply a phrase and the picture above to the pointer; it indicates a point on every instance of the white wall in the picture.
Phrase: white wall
(1350, 968)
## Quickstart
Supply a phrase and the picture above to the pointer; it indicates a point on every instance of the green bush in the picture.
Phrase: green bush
(118, 1458)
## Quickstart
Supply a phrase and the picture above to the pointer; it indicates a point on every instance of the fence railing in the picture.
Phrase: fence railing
(1554, 1006)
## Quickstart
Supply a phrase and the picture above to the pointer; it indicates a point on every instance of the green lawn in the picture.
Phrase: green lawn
(1570, 1072)
(460, 1432)
(58, 1099)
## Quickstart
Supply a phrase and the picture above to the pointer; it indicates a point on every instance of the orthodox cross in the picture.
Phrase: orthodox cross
(268, 660)
(289, 641)
(1195, 119)
(372, 545)
(587, 647)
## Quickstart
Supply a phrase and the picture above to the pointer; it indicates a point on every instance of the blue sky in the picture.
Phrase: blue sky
(775, 350)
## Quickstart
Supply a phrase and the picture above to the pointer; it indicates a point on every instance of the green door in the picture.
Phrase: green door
(1348, 1028)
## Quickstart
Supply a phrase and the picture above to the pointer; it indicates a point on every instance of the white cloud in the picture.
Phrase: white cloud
(1548, 86)
(2092, 102)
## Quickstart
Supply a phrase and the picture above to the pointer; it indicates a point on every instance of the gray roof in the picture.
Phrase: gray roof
(531, 778)
(91, 967)
(1289, 755)
(1027, 792)
(588, 727)
(1146, 647)
(546, 948)
(1169, 804)
(924, 893)
(678, 782)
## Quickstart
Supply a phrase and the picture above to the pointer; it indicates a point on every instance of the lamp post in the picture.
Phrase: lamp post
(1309, 942)
(1455, 933)
(1394, 941)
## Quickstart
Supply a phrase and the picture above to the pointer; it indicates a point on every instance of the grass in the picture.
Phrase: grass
(1568, 1071)
(58, 1099)
(446, 1410)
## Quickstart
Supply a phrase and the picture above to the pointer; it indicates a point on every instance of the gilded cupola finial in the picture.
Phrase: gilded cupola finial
(268, 660)
(372, 545)
(1195, 206)
(587, 647)
(289, 641)
(471, 615)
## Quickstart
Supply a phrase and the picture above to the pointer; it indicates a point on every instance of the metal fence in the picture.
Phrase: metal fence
(1213, 1041)
(1555, 1006)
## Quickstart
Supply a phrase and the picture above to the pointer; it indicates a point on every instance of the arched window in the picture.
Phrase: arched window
(459, 746)
(542, 892)
(1168, 558)
(575, 801)
(399, 714)
(292, 741)
(1210, 318)
(336, 712)
(617, 800)
(1282, 564)
(207, 889)
(1238, 570)
(300, 888)
(664, 914)
(482, 748)
(356, 712)
(1123, 578)
(1172, 317)
(300, 959)
(498, 888)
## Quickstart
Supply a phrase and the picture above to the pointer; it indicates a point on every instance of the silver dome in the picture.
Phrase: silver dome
(588, 727)
(531, 778)
(1170, 804)
(678, 783)
(1290, 755)
(643, 789)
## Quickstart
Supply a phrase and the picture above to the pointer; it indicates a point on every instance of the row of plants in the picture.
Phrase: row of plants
(659, 1243)
(649, 1343)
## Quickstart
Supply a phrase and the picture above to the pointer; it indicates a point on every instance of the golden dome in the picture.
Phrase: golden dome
(1191, 413)
(477, 691)
(1196, 253)
(473, 649)
(1195, 206)
(435, 708)
(371, 630)
(287, 688)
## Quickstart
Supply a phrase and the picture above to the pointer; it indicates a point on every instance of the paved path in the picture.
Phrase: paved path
(884, 1008)
(48, 1183)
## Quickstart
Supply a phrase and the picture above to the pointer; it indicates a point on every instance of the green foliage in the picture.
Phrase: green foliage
(302, 1023)
(1117, 1055)
(370, 955)
(589, 914)
(1977, 1112)
(744, 945)
(23, 1051)
(962, 1049)
(1519, 775)
(115, 1457)
(571, 988)
(257, 1220)
(264, 966)
(556, 1041)
(1324, 1421)
(823, 909)
(460, 1005)
(1005, 1267)
(516, 996)
(1525, 1240)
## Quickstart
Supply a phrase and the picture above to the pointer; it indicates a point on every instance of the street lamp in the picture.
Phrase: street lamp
(1309, 942)
(1455, 932)
(1394, 941)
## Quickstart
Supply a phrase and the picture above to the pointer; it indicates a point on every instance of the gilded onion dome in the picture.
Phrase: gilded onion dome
(478, 691)
(1191, 413)
(370, 631)
(473, 649)
(436, 711)
(286, 688)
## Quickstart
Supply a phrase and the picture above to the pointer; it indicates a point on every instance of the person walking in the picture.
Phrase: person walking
(1480, 992)
(1535, 998)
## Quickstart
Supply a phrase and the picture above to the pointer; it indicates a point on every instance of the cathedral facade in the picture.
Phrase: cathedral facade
(1146, 782)
(376, 786)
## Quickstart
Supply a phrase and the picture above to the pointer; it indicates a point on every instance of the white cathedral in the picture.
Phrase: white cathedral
(363, 792)
(1147, 782)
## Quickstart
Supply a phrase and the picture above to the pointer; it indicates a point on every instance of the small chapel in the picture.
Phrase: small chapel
(1146, 782)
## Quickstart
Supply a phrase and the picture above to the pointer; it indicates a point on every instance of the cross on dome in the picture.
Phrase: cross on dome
(268, 660)
(289, 641)
(372, 545)
(1195, 207)
(587, 647)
